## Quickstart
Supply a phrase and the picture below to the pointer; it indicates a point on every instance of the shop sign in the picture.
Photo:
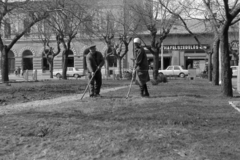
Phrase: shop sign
(185, 47)
(234, 45)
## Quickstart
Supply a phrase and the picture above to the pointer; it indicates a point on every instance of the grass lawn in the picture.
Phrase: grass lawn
(182, 120)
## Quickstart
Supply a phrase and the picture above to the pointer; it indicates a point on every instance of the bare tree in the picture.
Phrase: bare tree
(104, 29)
(28, 10)
(221, 14)
(45, 34)
(67, 24)
(109, 51)
(116, 26)
(187, 8)
(120, 50)
(158, 21)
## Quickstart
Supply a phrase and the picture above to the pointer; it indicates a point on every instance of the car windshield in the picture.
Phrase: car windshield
(169, 68)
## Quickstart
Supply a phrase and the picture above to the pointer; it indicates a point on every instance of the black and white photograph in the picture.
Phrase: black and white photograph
(119, 80)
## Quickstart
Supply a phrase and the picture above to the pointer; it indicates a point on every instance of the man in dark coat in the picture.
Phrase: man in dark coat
(141, 67)
(95, 61)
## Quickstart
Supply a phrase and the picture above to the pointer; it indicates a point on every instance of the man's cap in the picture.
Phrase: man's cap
(92, 46)
(137, 40)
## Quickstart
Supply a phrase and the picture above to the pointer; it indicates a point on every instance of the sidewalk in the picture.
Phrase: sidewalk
(40, 77)
(14, 78)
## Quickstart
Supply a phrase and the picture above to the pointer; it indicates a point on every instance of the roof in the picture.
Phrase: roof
(195, 26)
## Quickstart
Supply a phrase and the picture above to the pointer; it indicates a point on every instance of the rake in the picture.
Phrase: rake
(130, 86)
(88, 84)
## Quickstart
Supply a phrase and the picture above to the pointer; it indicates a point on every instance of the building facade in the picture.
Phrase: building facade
(179, 48)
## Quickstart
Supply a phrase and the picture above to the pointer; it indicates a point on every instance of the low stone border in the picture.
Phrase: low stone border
(234, 105)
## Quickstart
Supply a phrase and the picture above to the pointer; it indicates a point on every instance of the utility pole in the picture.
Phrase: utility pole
(162, 56)
(238, 75)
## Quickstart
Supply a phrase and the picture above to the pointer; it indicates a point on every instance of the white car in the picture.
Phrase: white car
(174, 71)
(234, 71)
(71, 72)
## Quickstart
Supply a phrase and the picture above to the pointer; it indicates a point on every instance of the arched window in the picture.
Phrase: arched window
(11, 62)
(45, 65)
(27, 60)
(70, 61)
(112, 60)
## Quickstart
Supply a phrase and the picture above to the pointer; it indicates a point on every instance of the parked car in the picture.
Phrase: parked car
(234, 71)
(71, 72)
(174, 71)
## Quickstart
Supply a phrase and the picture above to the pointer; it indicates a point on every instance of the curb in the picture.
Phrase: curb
(233, 104)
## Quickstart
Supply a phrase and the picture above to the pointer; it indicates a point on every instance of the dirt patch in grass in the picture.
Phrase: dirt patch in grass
(23, 92)
(182, 120)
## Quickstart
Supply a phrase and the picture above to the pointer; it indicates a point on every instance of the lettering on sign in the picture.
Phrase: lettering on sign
(184, 47)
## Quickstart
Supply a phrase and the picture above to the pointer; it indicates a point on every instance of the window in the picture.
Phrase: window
(112, 60)
(88, 24)
(26, 23)
(176, 68)
(7, 28)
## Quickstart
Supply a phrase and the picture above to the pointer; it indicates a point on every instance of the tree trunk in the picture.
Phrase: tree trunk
(226, 72)
(64, 64)
(119, 67)
(4, 59)
(107, 72)
(216, 61)
(155, 65)
(51, 68)
(210, 67)
(50, 63)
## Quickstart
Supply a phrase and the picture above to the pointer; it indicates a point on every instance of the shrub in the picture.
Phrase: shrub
(162, 78)
(203, 75)
(154, 82)
(127, 75)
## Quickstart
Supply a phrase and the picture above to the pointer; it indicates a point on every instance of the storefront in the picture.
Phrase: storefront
(193, 56)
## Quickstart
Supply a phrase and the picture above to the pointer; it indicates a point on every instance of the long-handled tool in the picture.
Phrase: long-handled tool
(89, 84)
(130, 86)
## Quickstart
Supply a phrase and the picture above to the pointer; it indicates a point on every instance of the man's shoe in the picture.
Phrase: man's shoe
(91, 95)
(97, 95)
(145, 95)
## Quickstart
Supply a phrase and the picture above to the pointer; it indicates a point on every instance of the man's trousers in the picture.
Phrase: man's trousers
(96, 83)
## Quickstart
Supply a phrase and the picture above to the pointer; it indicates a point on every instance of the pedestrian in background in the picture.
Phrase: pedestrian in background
(95, 61)
(18, 71)
(141, 67)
